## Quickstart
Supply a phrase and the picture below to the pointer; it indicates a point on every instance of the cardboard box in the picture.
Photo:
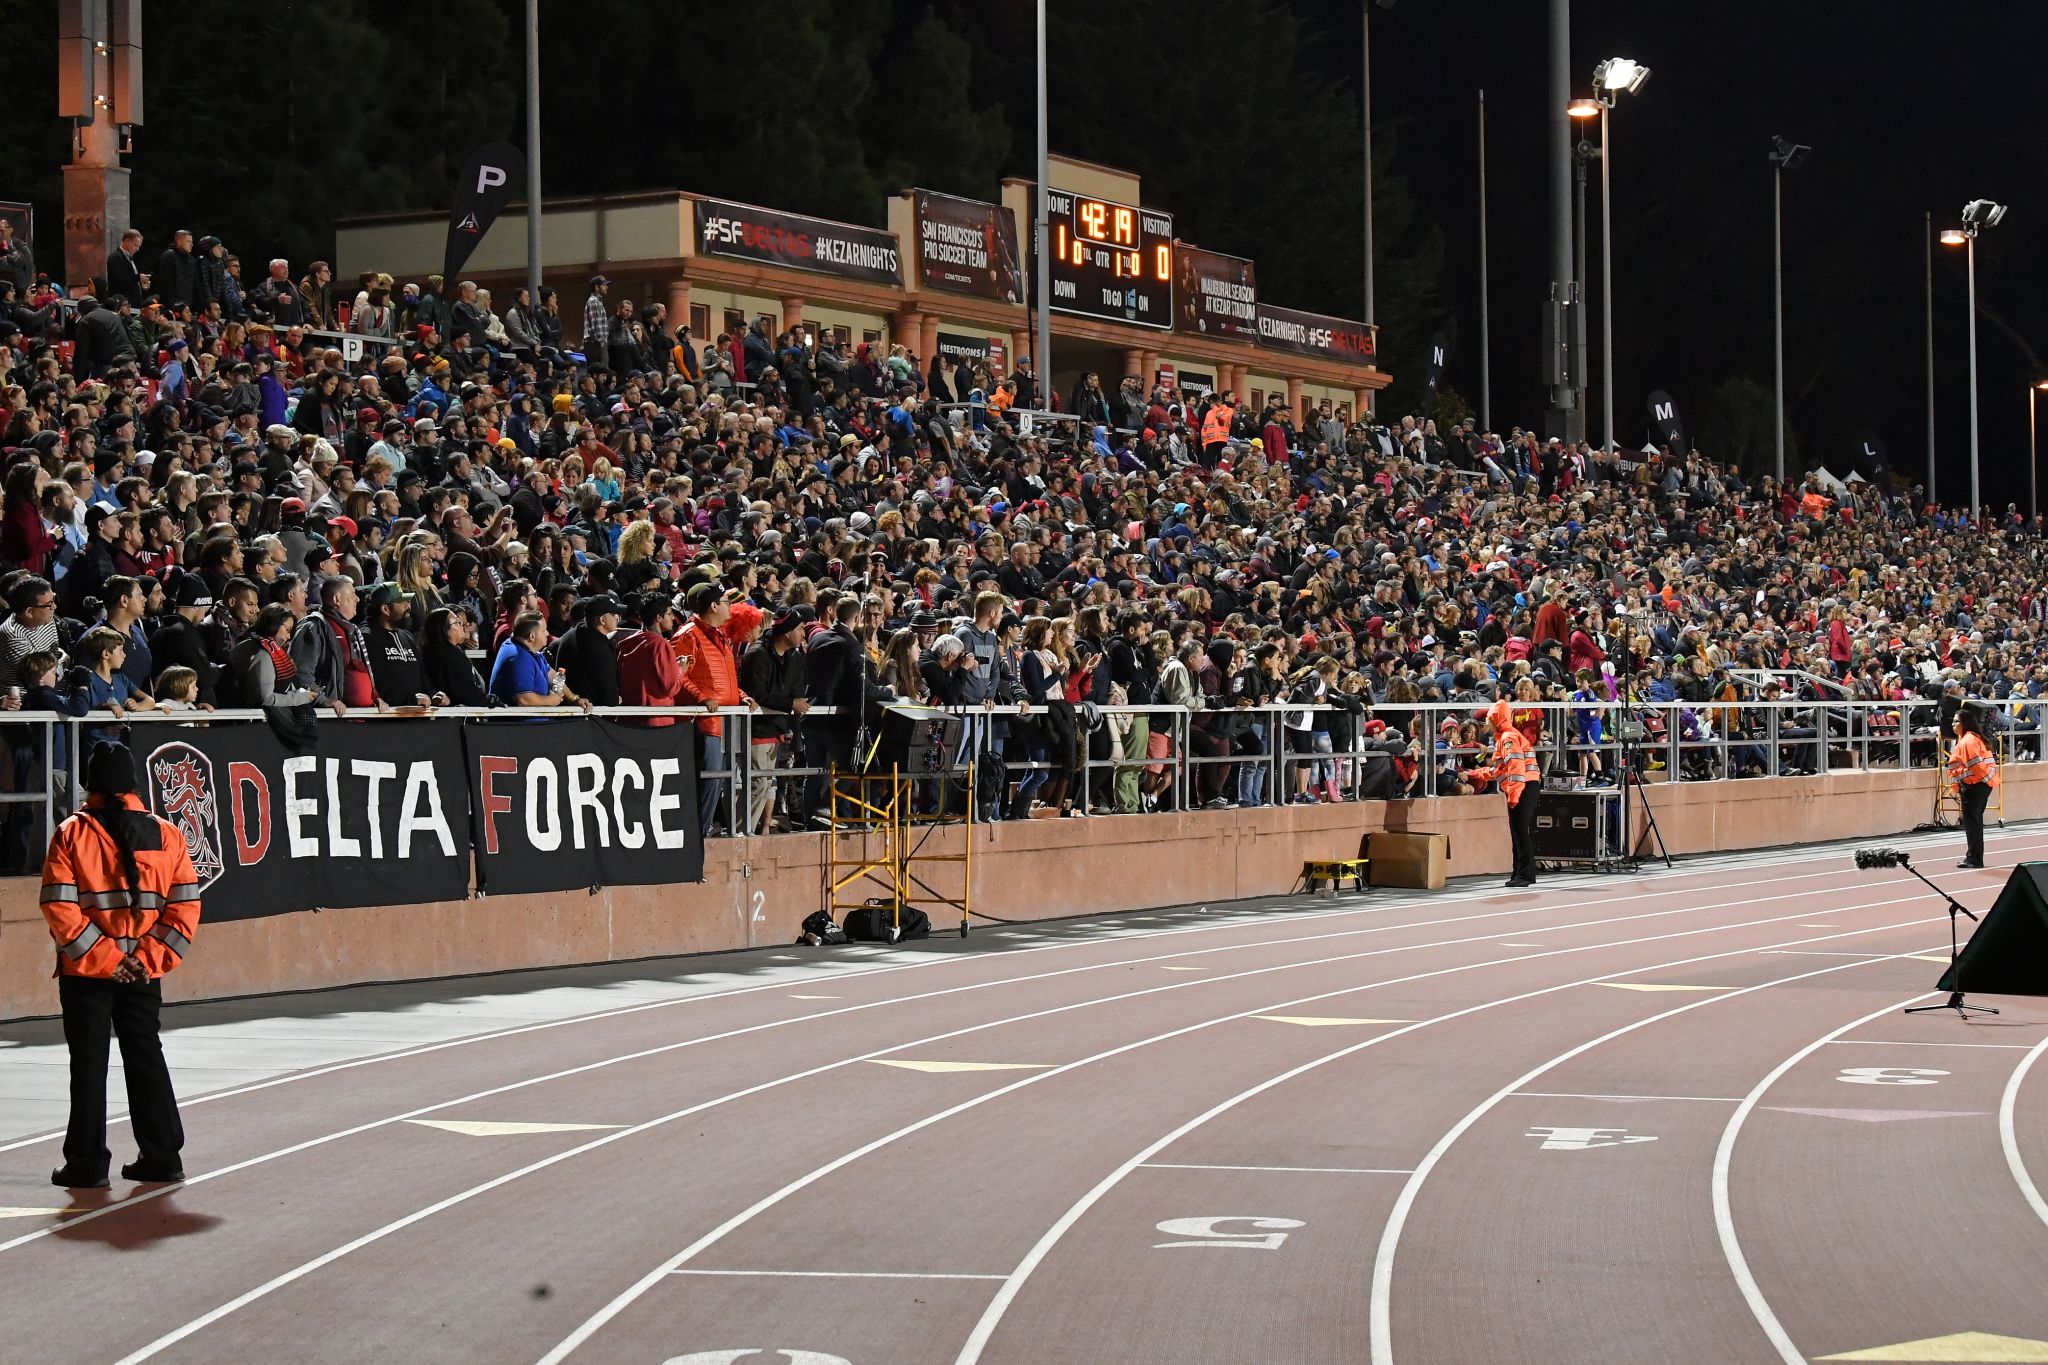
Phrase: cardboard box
(1410, 860)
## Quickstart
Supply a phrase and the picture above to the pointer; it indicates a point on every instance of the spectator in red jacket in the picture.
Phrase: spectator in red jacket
(650, 674)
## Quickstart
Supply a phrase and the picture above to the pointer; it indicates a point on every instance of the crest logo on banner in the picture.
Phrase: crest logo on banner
(182, 791)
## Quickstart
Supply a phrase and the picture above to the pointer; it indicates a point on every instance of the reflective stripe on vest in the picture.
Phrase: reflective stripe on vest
(83, 944)
(171, 938)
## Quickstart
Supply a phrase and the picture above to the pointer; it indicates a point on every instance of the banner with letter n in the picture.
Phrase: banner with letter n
(576, 804)
(377, 815)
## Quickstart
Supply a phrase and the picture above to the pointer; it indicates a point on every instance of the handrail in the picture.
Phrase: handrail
(1263, 754)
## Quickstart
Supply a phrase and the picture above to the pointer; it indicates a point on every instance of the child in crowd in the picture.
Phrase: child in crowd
(1586, 721)
(177, 689)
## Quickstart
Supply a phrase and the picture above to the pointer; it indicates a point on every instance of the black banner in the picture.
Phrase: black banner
(1667, 428)
(376, 816)
(1214, 294)
(966, 246)
(1314, 334)
(800, 243)
(564, 806)
(2007, 953)
(1871, 461)
(1439, 353)
(488, 181)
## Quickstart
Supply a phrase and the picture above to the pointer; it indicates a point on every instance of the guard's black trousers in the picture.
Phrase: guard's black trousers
(1976, 795)
(1522, 832)
(96, 1010)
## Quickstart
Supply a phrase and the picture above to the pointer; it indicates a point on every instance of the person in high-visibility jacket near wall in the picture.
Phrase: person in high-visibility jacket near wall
(1514, 768)
(122, 902)
(1975, 773)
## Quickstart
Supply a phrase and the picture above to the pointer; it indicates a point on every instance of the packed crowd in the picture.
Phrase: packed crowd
(204, 505)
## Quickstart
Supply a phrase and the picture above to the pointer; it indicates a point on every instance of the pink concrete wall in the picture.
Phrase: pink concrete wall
(1037, 869)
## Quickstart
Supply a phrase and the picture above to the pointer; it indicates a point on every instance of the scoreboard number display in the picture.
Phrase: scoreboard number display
(1110, 260)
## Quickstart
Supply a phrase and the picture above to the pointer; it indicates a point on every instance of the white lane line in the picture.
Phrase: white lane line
(295, 1148)
(440, 1206)
(2008, 1138)
(1873, 1042)
(842, 1274)
(1306, 910)
(1564, 1095)
(834, 977)
(1724, 1214)
(1283, 1170)
(1807, 952)
(619, 1304)
(977, 1341)
(1382, 1304)
(418, 1215)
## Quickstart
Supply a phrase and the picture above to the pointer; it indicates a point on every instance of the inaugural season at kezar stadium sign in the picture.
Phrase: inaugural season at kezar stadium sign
(396, 813)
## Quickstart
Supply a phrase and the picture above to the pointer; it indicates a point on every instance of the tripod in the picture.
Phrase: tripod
(1628, 729)
(1955, 998)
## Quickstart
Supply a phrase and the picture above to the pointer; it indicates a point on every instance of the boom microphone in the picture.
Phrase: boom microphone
(1868, 858)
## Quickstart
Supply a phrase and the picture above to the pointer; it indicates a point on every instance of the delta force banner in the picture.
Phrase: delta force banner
(378, 815)
(389, 813)
(566, 807)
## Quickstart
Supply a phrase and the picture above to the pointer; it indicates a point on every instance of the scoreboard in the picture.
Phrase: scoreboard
(1109, 260)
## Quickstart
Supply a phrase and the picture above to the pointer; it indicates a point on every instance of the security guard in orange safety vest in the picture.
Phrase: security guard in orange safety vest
(1514, 768)
(122, 902)
(1975, 773)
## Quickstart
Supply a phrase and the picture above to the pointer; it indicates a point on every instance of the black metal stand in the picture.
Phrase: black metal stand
(1628, 725)
(1955, 999)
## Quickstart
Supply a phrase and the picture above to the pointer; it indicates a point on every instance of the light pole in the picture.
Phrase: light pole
(2033, 451)
(1042, 237)
(1584, 153)
(1933, 497)
(533, 197)
(1485, 330)
(1365, 103)
(1610, 78)
(1978, 214)
(1785, 156)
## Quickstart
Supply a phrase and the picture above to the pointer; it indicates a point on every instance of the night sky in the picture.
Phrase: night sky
(1910, 107)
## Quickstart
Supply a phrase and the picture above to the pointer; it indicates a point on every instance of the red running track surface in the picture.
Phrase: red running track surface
(1674, 1116)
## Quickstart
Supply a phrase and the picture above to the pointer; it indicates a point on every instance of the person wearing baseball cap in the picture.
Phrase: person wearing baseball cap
(179, 642)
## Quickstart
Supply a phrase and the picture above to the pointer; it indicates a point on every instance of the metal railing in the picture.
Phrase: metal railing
(1242, 756)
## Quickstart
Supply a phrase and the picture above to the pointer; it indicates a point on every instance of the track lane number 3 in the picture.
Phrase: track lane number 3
(1889, 1075)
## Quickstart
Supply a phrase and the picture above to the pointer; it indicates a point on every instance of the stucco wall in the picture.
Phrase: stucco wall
(757, 891)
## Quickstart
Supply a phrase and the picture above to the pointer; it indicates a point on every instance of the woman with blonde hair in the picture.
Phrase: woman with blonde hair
(636, 542)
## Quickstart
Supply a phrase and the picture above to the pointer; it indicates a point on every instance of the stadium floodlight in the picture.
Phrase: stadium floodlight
(1982, 213)
(1618, 74)
(1788, 156)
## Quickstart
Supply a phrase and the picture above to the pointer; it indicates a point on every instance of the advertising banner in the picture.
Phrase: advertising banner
(586, 803)
(377, 815)
(747, 233)
(958, 346)
(1314, 334)
(1215, 295)
(489, 179)
(967, 247)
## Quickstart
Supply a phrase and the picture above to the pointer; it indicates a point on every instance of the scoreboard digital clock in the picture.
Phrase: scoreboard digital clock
(1110, 260)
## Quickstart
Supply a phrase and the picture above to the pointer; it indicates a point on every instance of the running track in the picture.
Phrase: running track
(1672, 1117)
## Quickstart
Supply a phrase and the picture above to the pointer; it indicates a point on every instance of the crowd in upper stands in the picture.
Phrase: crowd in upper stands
(501, 502)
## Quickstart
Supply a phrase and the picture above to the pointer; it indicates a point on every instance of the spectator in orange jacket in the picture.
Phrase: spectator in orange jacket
(711, 679)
